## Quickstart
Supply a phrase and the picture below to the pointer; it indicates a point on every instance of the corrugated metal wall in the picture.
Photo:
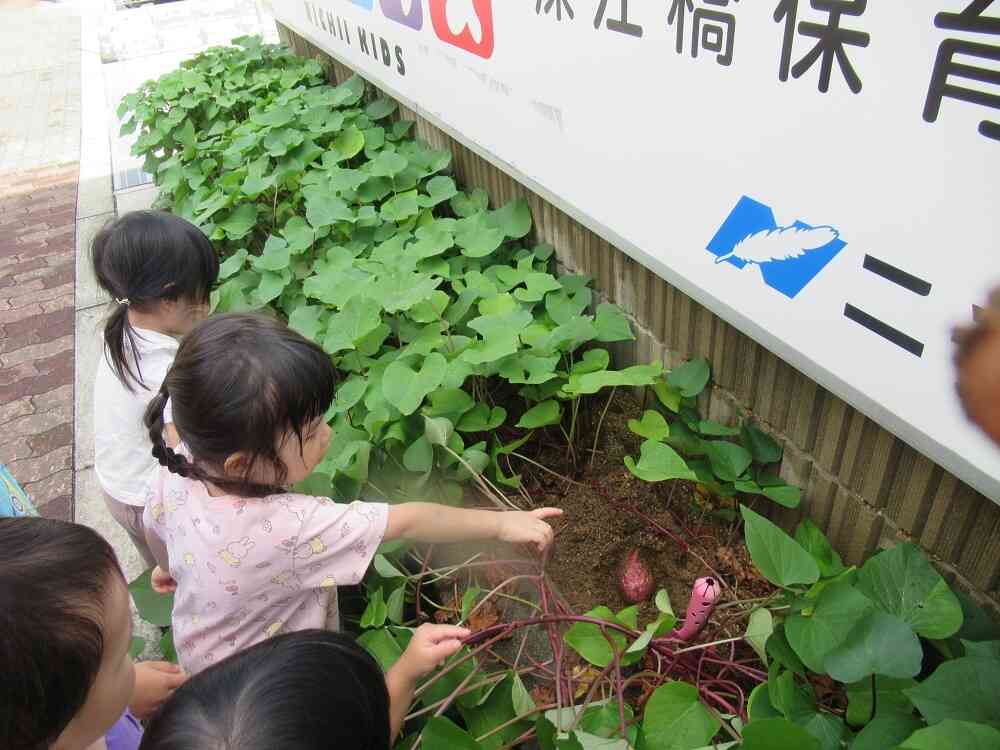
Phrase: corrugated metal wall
(861, 485)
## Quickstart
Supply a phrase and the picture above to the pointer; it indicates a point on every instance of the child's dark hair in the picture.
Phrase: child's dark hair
(54, 578)
(238, 383)
(309, 690)
(140, 258)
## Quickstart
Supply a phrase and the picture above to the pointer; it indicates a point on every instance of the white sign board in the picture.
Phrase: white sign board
(823, 174)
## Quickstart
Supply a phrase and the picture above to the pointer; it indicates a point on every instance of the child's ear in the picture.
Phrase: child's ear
(236, 465)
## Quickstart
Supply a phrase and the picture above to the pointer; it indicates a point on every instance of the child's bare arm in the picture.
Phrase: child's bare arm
(429, 646)
(430, 522)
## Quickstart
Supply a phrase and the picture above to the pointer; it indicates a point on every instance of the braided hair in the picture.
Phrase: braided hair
(238, 384)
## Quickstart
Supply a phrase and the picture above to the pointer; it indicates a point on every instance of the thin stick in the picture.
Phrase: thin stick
(600, 422)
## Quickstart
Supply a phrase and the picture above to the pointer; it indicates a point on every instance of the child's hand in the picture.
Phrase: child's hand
(155, 682)
(429, 647)
(528, 527)
(161, 581)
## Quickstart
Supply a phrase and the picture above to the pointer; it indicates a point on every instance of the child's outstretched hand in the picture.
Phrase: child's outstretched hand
(429, 647)
(528, 527)
(162, 582)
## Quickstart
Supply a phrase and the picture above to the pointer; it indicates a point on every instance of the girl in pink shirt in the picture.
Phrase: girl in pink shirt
(247, 558)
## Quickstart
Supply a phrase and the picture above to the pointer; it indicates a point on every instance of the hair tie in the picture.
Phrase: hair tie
(122, 301)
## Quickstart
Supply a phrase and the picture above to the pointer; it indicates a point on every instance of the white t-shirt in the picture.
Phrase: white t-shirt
(123, 458)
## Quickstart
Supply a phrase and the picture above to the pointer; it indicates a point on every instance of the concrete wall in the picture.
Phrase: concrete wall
(863, 486)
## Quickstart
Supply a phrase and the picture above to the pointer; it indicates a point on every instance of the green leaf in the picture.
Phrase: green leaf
(358, 318)
(889, 699)
(405, 385)
(381, 108)
(652, 426)
(662, 625)
(780, 559)
(593, 382)
(537, 285)
(658, 463)
(714, 429)
(728, 460)
(468, 204)
(662, 602)
(520, 697)
(323, 210)
(298, 234)
(153, 607)
(394, 605)
(167, 647)
(482, 419)
(280, 142)
(982, 649)
(307, 320)
(233, 264)
(690, 378)
(759, 629)
(439, 189)
(777, 734)
(438, 431)
(668, 396)
(764, 448)
(514, 219)
(887, 730)
(275, 257)
(348, 143)
(419, 456)
(612, 325)
(381, 645)
(964, 689)
(953, 735)
(587, 639)
(902, 582)
(543, 414)
(387, 164)
(136, 646)
(779, 649)
(375, 613)
(273, 117)
(837, 612)
(880, 644)
(443, 734)
(816, 544)
(675, 719)
(401, 207)
(239, 223)
(477, 237)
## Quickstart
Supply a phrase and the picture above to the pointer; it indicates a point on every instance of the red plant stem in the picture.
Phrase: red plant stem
(420, 580)
(618, 685)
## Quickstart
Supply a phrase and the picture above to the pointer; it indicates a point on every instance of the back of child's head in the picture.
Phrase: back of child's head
(240, 384)
(55, 580)
(309, 690)
(142, 259)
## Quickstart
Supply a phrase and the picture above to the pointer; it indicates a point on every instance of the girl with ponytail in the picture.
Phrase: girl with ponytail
(158, 270)
(246, 557)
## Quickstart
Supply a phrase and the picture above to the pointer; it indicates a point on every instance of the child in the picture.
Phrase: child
(309, 690)
(977, 359)
(159, 270)
(250, 559)
(64, 654)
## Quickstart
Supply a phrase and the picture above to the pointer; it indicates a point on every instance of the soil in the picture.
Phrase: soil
(602, 523)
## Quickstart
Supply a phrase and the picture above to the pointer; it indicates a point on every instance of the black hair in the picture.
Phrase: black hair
(308, 690)
(238, 383)
(143, 257)
(54, 580)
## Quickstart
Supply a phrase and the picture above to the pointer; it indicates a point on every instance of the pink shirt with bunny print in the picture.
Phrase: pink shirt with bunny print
(249, 568)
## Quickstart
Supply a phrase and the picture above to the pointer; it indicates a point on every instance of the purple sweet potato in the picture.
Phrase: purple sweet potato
(636, 583)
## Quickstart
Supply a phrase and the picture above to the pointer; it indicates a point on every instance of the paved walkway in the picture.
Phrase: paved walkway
(39, 153)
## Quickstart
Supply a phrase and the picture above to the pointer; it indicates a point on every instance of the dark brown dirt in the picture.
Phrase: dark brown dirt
(602, 523)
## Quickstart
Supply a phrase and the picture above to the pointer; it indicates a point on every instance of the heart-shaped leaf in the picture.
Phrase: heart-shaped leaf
(405, 385)
(612, 325)
(658, 463)
(779, 558)
(880, 644)
(690, 378)
(652, 426)
(728, 460)
(953, 735)
(675, 719)
(541, 415)
(815, 634)
(965, 689)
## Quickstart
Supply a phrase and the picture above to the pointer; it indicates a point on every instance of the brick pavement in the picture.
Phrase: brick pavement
(37, 262)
